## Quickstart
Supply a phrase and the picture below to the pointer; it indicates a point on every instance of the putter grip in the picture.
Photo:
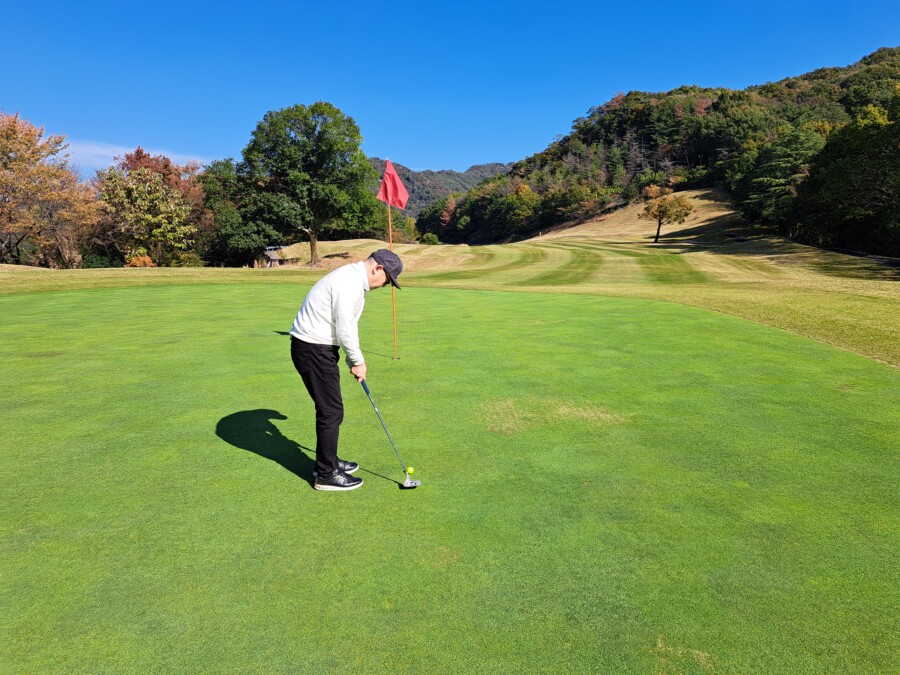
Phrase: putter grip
(365, 387)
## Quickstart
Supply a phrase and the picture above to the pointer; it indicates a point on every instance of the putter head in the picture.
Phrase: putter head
(409, 483)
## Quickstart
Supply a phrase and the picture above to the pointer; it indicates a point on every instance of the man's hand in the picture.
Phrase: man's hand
(358, 371)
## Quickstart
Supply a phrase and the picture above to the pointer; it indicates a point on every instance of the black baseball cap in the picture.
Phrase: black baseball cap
(391, 262)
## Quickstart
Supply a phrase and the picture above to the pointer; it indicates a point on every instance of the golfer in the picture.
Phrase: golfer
(329, 320)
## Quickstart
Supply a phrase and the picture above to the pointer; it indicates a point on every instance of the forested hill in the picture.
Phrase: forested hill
(816, 156)
(426, 187)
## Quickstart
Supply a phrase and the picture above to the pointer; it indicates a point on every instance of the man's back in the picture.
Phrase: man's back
(330, 313)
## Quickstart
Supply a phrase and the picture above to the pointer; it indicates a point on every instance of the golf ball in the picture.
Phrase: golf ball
(409, 469)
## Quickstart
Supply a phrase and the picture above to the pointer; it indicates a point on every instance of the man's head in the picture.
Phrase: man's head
(384, 267)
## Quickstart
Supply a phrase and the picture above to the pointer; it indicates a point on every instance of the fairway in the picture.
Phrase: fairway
(609, 484)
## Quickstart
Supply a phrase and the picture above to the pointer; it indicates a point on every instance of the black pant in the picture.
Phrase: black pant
(318, 366)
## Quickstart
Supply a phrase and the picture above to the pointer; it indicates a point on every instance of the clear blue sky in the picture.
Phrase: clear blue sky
(432, 86)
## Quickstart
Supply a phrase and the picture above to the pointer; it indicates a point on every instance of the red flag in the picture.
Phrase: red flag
(392, 189)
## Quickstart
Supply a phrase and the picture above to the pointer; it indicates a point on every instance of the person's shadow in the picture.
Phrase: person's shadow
(251, 430)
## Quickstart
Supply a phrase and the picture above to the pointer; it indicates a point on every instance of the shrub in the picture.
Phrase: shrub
(430, 239)
(187, 259)
(140, 261)
(95, 260)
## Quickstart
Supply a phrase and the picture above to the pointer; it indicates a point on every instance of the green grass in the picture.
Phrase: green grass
(610, 484)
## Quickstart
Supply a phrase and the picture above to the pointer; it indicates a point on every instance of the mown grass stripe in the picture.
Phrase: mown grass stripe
(670, 268)
(527, 257)
(582, 264)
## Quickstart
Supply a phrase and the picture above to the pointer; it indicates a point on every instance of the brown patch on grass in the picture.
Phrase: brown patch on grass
(543, 322)
(588, 413)
(506, 416)
(511, 416)
(441, 557)
(672, 659)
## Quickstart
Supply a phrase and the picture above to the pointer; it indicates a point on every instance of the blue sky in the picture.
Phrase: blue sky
(432, 86)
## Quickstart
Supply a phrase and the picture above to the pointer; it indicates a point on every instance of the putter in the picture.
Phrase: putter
(409, 482)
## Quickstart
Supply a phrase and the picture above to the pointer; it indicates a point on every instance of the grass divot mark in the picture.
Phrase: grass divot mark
(543, 322)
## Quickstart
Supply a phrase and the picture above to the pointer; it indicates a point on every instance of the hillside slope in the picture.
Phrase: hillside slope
(812, 156)
(713, 220)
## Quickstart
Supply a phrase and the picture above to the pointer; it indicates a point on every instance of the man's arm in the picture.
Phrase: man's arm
(344, 305)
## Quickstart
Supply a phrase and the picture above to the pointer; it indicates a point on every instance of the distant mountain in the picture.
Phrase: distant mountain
(426, 187)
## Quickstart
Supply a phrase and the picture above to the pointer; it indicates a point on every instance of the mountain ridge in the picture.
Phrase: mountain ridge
(429, 185)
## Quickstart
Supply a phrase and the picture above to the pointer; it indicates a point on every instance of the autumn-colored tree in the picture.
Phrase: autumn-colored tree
(666, 210)
(181, 177)
(655, 192)
(185, 178)
(45, 211)
(69, 217)
(141, 159)
(146, 216)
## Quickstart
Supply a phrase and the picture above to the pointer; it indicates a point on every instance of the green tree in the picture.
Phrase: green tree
(230, 240)
(852, 196)
(308, 172)
(510, 215)
(766, 193)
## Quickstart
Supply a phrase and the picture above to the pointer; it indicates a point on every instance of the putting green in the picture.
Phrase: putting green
(608, 485)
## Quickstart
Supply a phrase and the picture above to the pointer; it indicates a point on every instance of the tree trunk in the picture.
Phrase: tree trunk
(658, 228)
(313, 248)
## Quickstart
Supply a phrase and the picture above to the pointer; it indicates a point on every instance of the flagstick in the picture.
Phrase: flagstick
(393, 296)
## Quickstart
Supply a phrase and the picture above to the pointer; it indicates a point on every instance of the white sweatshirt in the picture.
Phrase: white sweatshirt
(330, 314)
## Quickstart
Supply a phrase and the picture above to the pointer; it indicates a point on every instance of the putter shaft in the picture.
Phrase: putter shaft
(384, 426)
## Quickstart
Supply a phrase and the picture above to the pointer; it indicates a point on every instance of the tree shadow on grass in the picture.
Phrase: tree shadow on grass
(252, 430)
(726, 235)
(731, 235)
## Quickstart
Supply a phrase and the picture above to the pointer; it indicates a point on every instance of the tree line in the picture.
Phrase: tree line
(816, 157)
(302, 176)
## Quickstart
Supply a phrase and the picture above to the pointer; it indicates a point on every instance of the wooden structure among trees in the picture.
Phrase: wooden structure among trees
(273, 257)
